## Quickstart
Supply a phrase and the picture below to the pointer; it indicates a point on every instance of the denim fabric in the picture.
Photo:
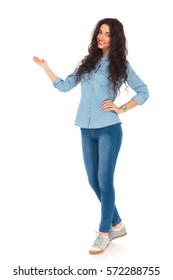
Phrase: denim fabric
(95, 88)
(100, 150)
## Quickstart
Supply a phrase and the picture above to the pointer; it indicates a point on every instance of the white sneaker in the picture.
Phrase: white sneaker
(99, 245)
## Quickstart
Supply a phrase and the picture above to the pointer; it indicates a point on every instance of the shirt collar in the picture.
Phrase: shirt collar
(105, 58)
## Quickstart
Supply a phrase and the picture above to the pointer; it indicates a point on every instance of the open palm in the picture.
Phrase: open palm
(39, 61)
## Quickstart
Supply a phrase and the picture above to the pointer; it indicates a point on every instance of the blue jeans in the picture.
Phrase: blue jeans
(100, 151)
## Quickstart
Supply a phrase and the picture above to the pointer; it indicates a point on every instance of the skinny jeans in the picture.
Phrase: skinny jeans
(100, 148)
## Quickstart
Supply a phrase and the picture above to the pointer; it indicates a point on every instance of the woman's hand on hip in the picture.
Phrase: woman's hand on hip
(108, 105)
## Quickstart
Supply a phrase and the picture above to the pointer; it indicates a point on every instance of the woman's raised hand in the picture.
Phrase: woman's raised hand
(43, 64)
(39, 61)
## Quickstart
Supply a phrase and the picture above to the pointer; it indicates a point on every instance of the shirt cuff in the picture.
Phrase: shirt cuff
(139, 99)
(56, 82)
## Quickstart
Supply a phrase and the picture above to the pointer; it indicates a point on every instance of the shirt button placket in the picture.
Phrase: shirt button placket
(90, 100)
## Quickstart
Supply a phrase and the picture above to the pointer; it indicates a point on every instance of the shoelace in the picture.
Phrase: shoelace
(98, 241)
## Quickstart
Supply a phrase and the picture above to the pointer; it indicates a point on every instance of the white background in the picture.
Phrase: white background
(48, 211)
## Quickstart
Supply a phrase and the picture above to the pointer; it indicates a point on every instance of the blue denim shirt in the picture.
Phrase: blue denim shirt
(95, 88)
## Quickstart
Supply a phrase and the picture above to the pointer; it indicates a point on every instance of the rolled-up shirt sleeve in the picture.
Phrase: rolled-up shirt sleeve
(67, 84)
(135, 82)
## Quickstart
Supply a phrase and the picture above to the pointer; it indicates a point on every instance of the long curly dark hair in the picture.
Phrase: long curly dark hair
(117, 54)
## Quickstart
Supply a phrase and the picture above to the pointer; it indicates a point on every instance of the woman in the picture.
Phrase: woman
(101, 74)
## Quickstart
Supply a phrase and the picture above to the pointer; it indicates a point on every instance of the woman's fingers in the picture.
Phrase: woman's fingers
(36, 59)
(39, 61)
(107, 104)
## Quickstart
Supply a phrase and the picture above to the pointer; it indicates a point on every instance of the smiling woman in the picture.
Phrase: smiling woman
(101, 73)
(103, 39)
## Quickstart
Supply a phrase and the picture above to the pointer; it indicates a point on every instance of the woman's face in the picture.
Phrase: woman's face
(103, 39)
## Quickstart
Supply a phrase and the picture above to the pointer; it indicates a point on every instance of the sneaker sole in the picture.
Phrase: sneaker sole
(118, 236)
(91, 252)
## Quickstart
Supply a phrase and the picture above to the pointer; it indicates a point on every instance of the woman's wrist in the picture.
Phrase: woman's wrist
(121, 110)
(45, 66)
